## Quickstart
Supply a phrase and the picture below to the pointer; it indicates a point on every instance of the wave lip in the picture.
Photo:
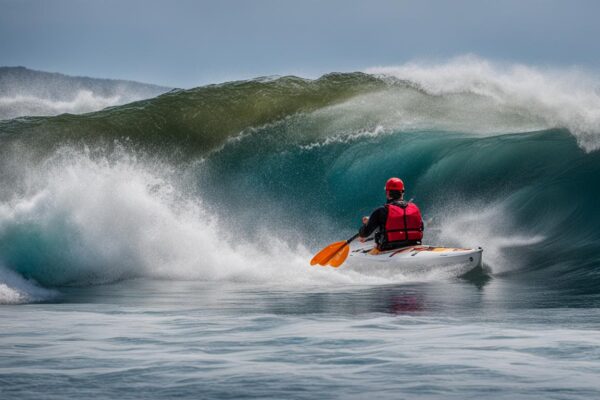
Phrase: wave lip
(561, 98)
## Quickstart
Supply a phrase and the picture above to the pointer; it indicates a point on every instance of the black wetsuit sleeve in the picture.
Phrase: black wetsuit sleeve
(376, 220)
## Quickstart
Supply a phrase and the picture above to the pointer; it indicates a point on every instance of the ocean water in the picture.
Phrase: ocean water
(160, 248)
(451, 339)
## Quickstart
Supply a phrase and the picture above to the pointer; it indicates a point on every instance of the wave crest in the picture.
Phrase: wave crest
(558, 98)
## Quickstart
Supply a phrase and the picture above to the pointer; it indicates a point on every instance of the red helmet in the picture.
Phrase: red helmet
(394, 184)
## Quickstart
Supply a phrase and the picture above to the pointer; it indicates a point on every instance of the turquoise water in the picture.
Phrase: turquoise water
(160, 249)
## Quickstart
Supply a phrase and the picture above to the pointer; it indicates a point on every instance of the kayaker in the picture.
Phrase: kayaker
(398, 222)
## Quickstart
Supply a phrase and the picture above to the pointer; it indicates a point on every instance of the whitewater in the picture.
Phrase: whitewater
(167, 240)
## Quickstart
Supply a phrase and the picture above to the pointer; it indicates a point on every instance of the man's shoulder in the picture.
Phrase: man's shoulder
(378, 211)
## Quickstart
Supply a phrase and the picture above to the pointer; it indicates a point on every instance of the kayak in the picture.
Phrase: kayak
(365, 256)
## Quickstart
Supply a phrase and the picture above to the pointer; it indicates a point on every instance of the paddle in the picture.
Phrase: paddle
(335, 254)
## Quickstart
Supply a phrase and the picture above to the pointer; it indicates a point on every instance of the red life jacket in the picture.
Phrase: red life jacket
(403, 223)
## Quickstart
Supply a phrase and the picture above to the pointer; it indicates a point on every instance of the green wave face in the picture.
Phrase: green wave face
(195, 120)
(204, 183)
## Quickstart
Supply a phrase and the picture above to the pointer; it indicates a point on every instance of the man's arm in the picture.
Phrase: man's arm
(373, 223)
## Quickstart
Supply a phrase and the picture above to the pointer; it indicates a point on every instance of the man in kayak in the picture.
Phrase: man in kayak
(399, 223)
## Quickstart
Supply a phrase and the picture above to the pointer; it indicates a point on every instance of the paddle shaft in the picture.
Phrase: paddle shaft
(352, 238)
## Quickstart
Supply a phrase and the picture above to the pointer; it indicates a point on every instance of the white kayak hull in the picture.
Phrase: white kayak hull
(364, 257)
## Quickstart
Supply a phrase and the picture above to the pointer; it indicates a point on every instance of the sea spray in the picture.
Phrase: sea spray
(92, 220)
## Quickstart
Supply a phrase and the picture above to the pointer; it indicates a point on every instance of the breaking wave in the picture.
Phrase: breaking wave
(243, 181)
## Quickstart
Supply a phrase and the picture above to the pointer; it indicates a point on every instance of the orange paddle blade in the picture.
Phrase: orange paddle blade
(323, 257)
(339, 257)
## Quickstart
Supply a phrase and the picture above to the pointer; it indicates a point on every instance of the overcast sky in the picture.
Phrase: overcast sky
(188, 43)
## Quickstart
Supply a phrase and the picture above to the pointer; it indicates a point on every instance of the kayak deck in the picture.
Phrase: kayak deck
(422, 256)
